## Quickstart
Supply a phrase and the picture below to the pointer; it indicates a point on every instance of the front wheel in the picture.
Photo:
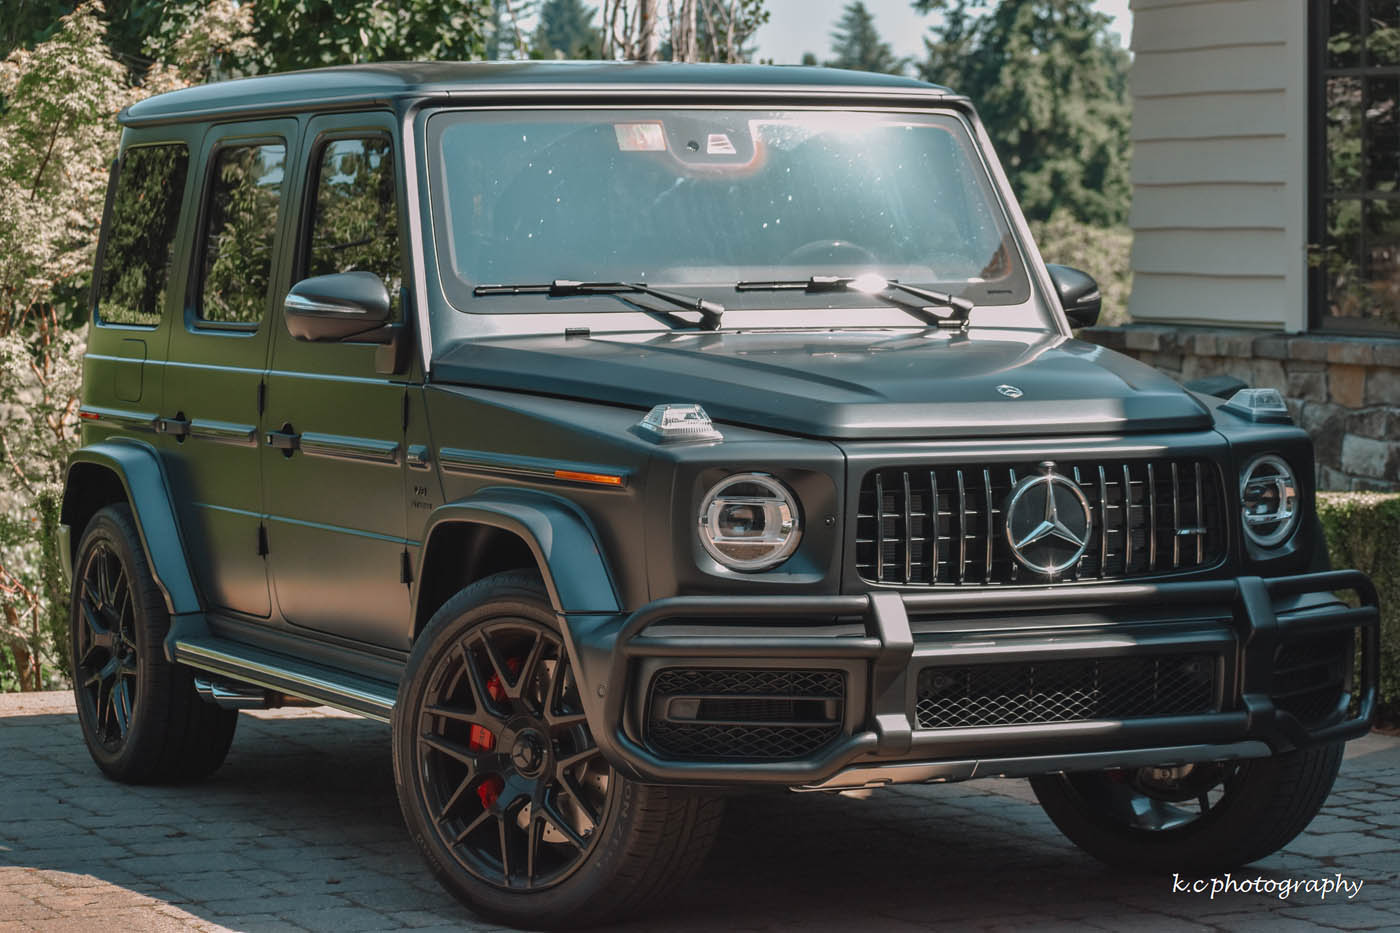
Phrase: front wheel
(1204, 816)
(500, 781)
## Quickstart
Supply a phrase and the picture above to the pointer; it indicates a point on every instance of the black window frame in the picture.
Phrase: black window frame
(104, 236)
(195, 300)
(1319, 195)
(310, 198)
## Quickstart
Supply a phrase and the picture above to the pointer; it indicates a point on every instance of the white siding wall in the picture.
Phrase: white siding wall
(1220, 162)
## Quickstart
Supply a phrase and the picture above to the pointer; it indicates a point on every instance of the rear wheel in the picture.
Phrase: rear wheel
(502, 785)
(1204, 816)
(141, 718)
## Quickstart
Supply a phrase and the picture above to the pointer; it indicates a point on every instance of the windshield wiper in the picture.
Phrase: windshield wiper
(710, 312)
(958, 311)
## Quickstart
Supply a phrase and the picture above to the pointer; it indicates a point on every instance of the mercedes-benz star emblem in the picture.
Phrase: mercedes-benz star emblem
(1048, 522)
(1010, 391)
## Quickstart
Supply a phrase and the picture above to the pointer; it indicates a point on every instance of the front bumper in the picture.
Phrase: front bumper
(881, 642)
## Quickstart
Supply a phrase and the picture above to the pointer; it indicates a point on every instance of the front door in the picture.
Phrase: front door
(334, 491)
(217, 357)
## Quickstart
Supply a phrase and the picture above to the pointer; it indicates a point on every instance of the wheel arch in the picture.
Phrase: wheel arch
(502, 528)
(105, 473)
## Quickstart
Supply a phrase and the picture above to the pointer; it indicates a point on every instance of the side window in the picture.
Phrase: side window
(355, 221)
(140, 248)
(240, 230)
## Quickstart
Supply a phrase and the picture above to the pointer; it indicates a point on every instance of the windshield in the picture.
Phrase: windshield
(703, 199)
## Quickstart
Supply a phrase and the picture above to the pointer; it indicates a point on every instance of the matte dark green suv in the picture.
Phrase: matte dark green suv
(623, 433)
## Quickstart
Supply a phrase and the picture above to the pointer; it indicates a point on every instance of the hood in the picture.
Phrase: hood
(845, 384)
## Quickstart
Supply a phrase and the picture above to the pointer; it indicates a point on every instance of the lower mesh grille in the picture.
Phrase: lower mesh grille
(744, 713)
(1066, 691)
(1311, 675)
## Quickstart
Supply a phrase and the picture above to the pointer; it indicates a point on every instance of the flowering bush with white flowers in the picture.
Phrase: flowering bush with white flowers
(58, 133)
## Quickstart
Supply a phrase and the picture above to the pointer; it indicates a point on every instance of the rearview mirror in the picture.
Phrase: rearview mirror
(337, 307)
(1079, 295)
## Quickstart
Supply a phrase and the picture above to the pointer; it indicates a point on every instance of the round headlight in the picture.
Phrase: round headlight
(750, 522)
(1268, 500)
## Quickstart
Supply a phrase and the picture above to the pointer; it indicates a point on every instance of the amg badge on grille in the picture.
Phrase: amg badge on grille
(1048, 522)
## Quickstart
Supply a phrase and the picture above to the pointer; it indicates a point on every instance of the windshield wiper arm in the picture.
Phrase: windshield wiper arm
(959, 310)
(711, 312)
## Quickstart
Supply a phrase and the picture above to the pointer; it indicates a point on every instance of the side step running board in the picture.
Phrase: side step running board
(367, 697)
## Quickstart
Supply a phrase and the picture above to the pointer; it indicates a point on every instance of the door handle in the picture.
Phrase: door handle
(285, 440)
(177, 427)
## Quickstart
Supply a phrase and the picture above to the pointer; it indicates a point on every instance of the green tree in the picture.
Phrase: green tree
(504, 39)
(566, 30)
(57, 133)
(1051, 86)
(858, 46)
(294, 34)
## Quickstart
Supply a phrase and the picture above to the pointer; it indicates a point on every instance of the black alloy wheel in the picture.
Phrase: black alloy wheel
(514, 781)
(142, 720)
(1201, 816)
(107, 666)
(502, 786)
(1158, 799)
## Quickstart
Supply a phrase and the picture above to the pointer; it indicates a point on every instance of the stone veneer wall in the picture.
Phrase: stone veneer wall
(1344, 391)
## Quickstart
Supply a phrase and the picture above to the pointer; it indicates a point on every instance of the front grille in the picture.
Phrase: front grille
(926, 526)
(1074, 690)
(1311, 675)
(741, 714)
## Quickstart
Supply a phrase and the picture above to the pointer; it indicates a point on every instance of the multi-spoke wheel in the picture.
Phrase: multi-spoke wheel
(105, 662)
(1201, 816)
(141, 717)
(502, 785)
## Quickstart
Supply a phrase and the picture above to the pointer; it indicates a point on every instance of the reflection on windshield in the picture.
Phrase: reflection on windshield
(706, 197)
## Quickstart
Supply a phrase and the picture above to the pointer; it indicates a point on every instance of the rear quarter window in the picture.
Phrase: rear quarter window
(140, 235)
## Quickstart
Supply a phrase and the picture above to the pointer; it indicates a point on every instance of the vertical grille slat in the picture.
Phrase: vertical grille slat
(962, 527)
(1151, 517)
(908, 529)
(1200, 517)
(879, 528)
(1127, 521)
(906, 536)
(1176, 516)
(988, 528)
(933, 529)
(1103, 522)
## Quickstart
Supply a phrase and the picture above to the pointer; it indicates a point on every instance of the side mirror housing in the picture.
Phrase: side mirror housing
(337, 307)
(1079, 295)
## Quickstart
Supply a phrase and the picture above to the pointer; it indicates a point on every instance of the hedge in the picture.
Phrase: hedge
(1363, 531)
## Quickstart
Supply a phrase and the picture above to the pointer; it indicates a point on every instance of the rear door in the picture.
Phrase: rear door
(141, 258)
(218, 354)
(334, 496)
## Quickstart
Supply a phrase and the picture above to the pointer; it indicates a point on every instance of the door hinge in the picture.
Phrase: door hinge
(406, 569)
(262, 540)
(262, 396)
(405, 409)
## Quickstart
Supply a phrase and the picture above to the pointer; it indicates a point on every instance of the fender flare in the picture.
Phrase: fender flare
(137, 466)
(561, 537)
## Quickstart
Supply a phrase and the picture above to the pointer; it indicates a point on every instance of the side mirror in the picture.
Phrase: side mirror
(337, 307)
(1079, 295)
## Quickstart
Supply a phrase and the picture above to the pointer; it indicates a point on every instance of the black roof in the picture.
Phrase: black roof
(330, 88)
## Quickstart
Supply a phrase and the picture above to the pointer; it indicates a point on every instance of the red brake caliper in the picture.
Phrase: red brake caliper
(483, 740)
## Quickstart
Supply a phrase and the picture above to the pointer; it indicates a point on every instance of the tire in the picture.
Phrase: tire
(1217, 816)
(502, 786)
(141, 718)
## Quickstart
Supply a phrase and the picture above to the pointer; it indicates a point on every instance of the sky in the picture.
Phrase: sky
(799, 26)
